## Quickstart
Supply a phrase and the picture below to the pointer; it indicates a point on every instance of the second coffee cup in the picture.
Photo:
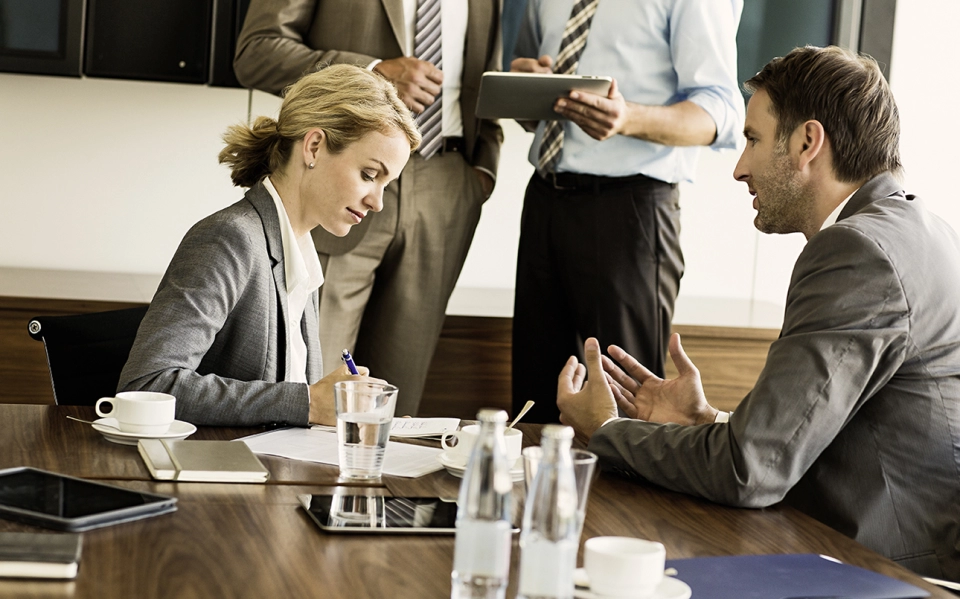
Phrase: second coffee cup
(467, 437)
(139, 412)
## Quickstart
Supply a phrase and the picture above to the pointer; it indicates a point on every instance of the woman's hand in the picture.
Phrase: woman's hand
(322, 408)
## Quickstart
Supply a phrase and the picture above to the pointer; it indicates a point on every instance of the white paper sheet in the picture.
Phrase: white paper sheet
(423, 427)
(312, 445)
(413, 428)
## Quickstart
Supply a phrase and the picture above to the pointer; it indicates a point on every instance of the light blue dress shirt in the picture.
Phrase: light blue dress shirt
(660, 52)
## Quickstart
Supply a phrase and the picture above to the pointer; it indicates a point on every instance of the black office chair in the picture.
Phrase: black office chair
(86, 352)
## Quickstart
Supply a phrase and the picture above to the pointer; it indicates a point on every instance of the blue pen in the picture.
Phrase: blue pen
(348, 360)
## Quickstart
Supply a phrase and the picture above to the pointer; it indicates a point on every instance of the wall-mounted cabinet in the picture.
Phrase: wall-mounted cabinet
(44, 37)
(159, 40)
(186, 41)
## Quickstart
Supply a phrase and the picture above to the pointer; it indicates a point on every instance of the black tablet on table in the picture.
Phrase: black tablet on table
(377, 514)
(64, 502)
(349, 513)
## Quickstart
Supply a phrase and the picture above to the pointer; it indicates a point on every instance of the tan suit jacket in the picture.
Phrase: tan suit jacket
(283, 39)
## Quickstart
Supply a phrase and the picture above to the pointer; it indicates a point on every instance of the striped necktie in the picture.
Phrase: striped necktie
(571, 47)
(428, 46)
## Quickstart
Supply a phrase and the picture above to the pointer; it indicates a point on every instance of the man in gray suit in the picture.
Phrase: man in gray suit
(388, 281)
(855, 418)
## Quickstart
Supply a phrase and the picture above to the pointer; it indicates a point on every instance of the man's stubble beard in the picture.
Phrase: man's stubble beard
(784, 205)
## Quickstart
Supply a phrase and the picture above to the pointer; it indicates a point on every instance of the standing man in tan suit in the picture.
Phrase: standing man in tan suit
(387, 283)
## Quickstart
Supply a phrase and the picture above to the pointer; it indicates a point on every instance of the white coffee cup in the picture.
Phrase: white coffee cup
(623, 566)
(467, 437)
(141, 412)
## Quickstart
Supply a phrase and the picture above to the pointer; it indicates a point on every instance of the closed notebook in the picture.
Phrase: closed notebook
(39, 555)
(202, 461)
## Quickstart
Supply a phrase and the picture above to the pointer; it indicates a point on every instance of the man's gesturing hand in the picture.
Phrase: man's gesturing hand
(585, 404)
(641, 394)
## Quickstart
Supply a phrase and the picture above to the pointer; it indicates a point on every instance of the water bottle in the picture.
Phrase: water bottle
(481, 558)
(549, 538)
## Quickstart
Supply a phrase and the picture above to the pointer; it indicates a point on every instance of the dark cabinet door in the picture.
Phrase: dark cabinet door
(156, 40)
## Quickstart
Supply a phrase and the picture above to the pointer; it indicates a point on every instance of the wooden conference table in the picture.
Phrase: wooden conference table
(242, 540)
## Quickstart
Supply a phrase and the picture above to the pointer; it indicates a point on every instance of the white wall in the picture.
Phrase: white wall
(108, 175)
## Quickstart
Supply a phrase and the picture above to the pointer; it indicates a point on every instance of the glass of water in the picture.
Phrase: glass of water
(364, 415)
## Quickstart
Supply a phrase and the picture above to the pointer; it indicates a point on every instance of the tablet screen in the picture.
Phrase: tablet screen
(64, 502)
(371, 513)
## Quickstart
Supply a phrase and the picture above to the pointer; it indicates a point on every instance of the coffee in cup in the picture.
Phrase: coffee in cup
(467, 437)
(139, 412)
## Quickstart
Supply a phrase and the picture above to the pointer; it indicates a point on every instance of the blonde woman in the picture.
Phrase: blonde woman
(232, 331)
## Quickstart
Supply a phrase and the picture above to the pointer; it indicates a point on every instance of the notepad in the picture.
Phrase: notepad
(202, 461)
(39, 555)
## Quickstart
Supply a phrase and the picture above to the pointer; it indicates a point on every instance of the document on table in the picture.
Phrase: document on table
(413, 428)
(311, 445)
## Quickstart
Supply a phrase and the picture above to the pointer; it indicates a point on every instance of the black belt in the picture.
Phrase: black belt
(452, 144)
(584, 182)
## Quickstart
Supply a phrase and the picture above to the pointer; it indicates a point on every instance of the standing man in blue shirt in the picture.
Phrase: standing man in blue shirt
(599, 247)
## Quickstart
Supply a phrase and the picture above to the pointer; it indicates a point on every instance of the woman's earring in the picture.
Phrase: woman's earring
(311, 165)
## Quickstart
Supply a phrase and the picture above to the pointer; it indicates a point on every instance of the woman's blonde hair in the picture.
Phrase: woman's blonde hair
(344, 101)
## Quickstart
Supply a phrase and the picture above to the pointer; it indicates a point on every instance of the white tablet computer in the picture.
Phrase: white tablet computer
(531, 96)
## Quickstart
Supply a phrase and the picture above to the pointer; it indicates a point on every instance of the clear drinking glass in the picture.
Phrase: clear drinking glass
(364, 415)
(584, 469)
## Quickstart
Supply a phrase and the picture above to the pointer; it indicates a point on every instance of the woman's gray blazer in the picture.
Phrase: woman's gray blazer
(215, 333)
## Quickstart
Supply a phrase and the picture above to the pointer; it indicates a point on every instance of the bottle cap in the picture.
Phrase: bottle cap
(491, 415)
(556, 431)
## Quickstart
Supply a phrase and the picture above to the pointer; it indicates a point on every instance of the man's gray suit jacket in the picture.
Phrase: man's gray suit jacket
(215, 333)
(282, 40)
(855, 418)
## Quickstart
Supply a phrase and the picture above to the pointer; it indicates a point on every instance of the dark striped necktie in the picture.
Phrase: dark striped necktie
(571, 47)
(428, 46)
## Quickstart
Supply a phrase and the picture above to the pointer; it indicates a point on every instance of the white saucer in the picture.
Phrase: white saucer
(669, 588)
(457, 469)
(178, 430)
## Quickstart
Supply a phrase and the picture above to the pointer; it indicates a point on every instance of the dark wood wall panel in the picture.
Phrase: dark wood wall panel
(470, 369)
(729, 360)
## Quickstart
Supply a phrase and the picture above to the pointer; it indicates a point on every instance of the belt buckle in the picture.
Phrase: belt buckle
(450, 144)
(552, 179)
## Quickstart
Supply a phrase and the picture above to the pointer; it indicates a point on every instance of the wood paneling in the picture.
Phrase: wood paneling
(729, 360)
(470, 369)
